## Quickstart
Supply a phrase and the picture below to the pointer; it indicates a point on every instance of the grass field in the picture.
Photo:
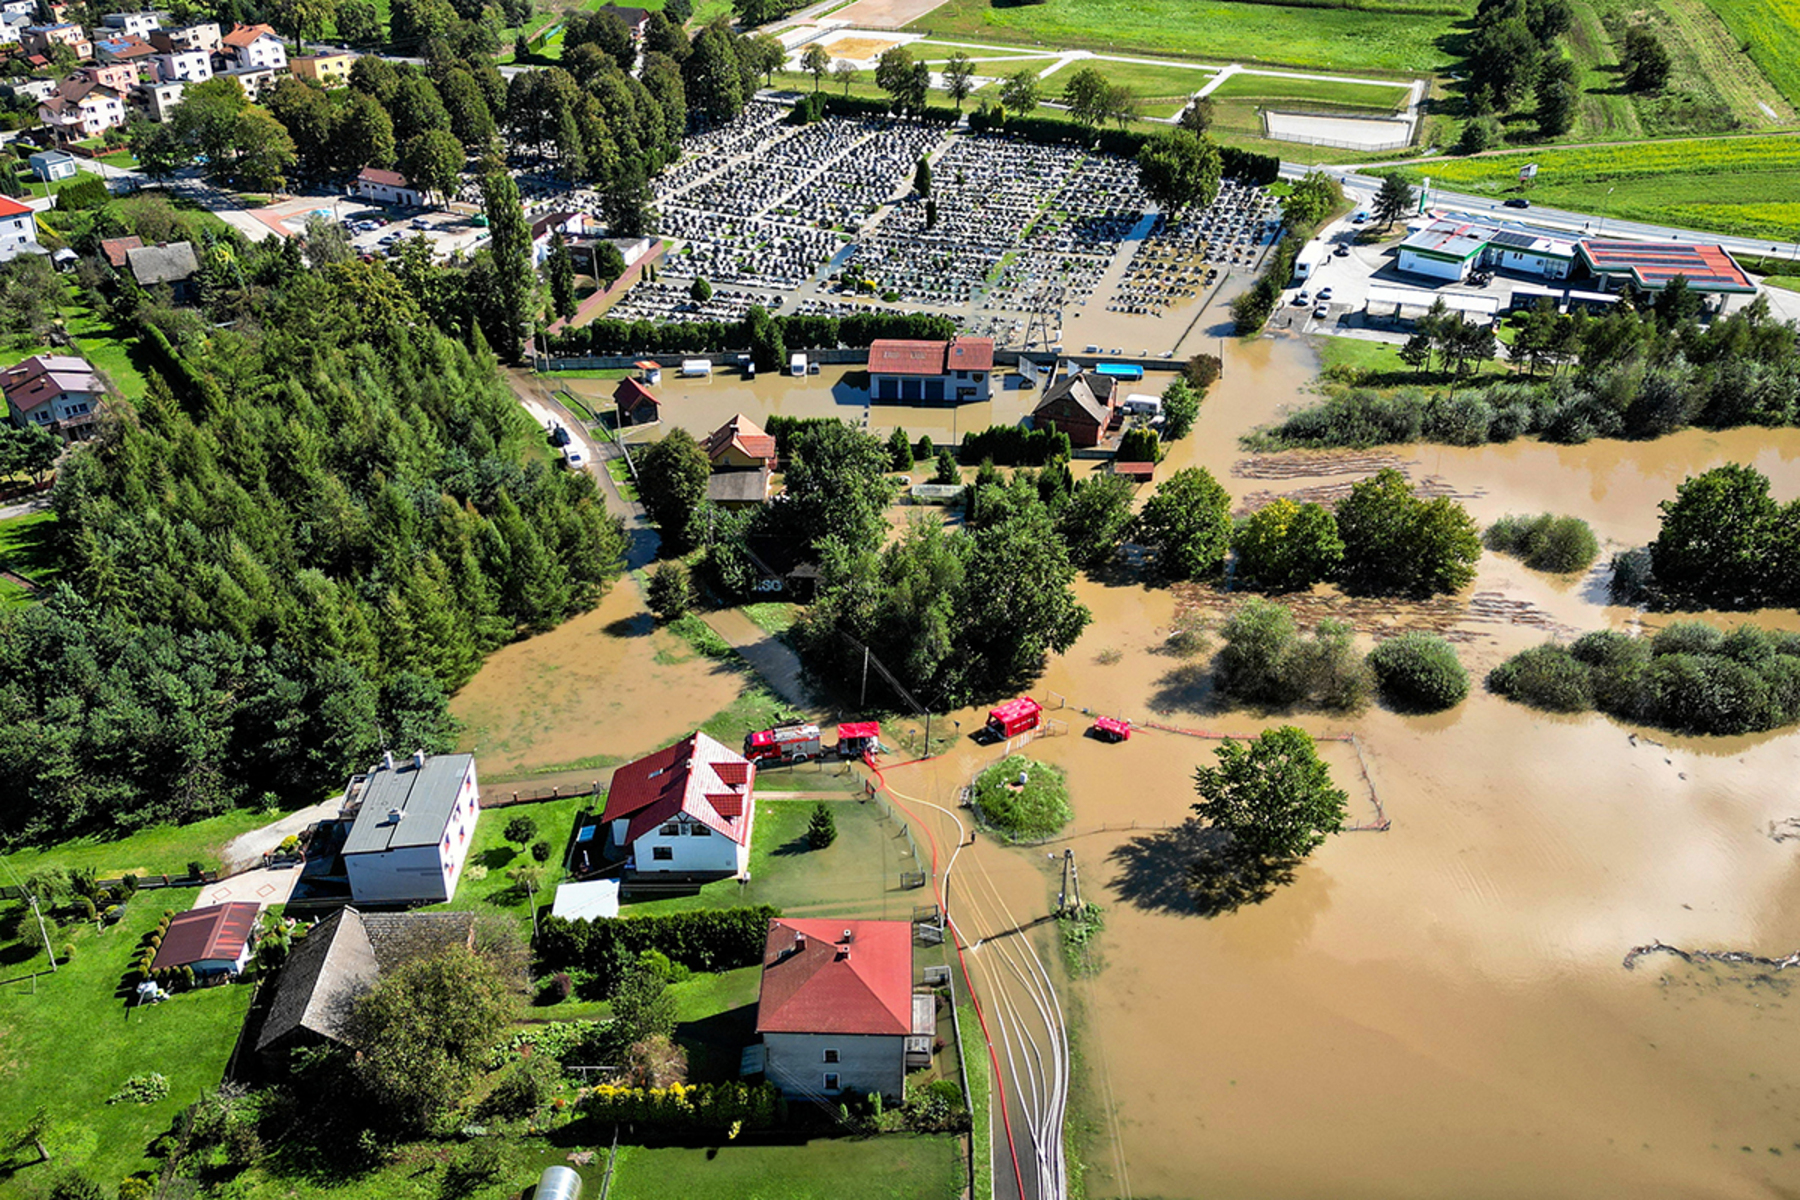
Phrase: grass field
(25, 549)
(894, 1167)
(495, 893)
(1745, 186)
(1146, 81)
(1214, 30)
(158, 850)
(70, 1042)
(1377, 97)
(1769, 30)
(1709, 60)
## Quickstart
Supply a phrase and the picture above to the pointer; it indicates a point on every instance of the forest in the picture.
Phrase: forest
(319, 520)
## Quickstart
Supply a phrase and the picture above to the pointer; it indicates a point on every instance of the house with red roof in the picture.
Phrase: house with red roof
(919, 372)
(18, 229)
(214, 940)
(387, 187)
(687, 809)
(743, 462)
(837, 1011)
(58, 392)
(637, 404)
(255, 47)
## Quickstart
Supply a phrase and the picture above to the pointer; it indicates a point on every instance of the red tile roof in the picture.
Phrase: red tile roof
(895, 356)
(43, 377)
(1653, 265)
(377, 175)
(11, 208)
(816, 981)
(743, 433)
(696, 776)
(243, 35)
(630, 394)
(114, 249)
(218, 931)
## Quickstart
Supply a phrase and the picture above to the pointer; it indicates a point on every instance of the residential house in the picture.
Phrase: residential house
(52, 165)
(115, 249)
(160, 99)
(12, 29)
(34, 89)
(687, 809)
(254, 47)
(203, 35)
(637, 20)
(133, 50)
(327, 70)
(173, 266)
(338, 961)
(120, 77)
(387, 187)
(837, 1010)
(636, 403)
(44, 39)
(1083, 405)
(411, 828)
(253, 80)
(214, 940)
(18, 230)
(570, 224)
(910, 372)
(133, 24)
(743, 463)
(18, 8)
(183, 66)
(80, 108)
(58, 392)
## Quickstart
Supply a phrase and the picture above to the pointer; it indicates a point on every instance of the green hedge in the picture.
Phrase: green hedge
(718, 939)
(1013, 446)
(702, 337)
(699, 1106)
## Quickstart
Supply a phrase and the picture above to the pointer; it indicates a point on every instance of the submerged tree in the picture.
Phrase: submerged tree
(1274, 802)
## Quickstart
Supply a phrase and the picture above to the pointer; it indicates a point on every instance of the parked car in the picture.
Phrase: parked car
(1324, 294)
(559, 436)
(573, 458)
(1342, 251)
(421, 223)
(1321, 312)
(1302, 298)
(1518, 202)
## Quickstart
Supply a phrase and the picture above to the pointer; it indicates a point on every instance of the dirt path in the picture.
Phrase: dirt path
(778, 665)
(247, 848)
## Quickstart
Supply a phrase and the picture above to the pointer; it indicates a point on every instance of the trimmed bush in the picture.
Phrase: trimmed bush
(1546, 677)
(540, 851)
(520, 830)
(706, 940)
(1419, 672)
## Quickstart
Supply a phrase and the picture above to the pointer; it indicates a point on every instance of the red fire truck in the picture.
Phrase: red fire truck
(783, 744)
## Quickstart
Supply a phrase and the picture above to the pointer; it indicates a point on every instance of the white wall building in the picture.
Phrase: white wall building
(18, 230)
(160, 99)
(134, 24)
(183, 66)
(412, 831)
(255, 47)
(686, 809)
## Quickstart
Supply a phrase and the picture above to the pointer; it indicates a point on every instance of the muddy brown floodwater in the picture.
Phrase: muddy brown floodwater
(1439, 1010)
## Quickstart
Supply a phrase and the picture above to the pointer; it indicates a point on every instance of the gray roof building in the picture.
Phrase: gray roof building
(407, 805)
(172, 264)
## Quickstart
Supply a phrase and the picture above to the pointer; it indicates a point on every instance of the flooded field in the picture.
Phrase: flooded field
(1438, 1010)
(601, 688)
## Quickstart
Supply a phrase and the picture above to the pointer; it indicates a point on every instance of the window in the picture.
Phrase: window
(699, 831)
(671, 830)
(662, 853)
(831, 1081)
(831, 1056)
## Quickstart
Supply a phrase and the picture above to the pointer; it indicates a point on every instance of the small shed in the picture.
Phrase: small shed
(1014, 717)
(1112, 729)
(1137, 472)
(637, 405)
(696, 368)
(649, 372)
(595, 900)
(214, 940)
(857, 738)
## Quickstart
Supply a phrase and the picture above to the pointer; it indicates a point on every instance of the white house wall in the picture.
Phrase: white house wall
(795, 1064)
(1431, 268)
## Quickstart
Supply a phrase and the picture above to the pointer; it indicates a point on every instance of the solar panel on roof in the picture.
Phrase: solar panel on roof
(1520, 240)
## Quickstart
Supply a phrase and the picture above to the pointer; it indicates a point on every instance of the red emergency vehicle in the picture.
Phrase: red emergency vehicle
(1014, 717)
(783, 744)
(1111, 729)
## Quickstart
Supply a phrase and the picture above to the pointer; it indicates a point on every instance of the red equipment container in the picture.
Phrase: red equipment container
(857, 738)
(1111, 729)
(1014, 717)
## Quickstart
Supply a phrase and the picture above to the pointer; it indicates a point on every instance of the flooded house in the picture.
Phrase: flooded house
(1083, 405)
(742, 455)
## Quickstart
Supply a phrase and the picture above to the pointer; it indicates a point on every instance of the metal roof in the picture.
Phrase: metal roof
(426, 796)
(1407, 297)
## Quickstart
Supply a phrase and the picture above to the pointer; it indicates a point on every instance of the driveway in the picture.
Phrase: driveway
(262, 886)
(778, 666)
(247, 849)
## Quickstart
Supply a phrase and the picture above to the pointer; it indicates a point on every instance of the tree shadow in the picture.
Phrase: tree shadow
(498, 857)
(636, 626)
(1193, 870)
(715, 1044)
(793, 846)
(1187, 688)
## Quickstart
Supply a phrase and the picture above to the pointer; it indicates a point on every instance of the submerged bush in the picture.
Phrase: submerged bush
(1546, 542)
(1420, 672)
(1266, 661)
(1547, 677)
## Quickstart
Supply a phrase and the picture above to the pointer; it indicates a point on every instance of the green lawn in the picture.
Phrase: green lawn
(107, 346)
(25, 548)
(1340, 39)
(1769, 30)
(1380, 97)
(494, 892)
(1161, 81)
(1746, 186)
(1379, 365)
(1039, 809)
(158, 850)
(894, 1167)
(1787, 283)
(70, 1042)
(773, 617)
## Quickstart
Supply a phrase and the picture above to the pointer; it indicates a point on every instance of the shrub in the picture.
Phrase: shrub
(129, 884)
(671, 590)
(1202, 371)
(68, 952)
(1546, 542)
(135, 1187)
(525, 1087)
(947, 470)
(1036, 808)
(85, 907)
(1546, 677)
(821, 828)
(540, 850)
(1688, 637)
(1630, 575)
(141, 1089)
(72, 1184)
(705, 940)
(520, 829)
(196, 869)
(693, 1107)
(1140, 445)
(1266, 661)
(937, 1108)
(1420, 672)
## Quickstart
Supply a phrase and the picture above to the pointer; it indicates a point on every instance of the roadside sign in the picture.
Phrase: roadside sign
(1528, 172)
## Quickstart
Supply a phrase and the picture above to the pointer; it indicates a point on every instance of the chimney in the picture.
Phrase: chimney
(394, 815)
(848, 935)
(799, 942)
(387, 759)
(418, 760)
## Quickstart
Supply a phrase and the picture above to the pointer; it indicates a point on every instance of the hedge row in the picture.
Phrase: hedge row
(699, 337)
(682, 1106)
(706, 940)
(1012, 446)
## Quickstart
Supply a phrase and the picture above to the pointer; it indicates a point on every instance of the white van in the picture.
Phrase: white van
(796, 364)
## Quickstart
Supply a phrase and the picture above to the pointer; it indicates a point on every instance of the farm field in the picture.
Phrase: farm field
(1217, 30)
(1375, 96)
(1771, 31)
(1743, 186)
(1710, 58)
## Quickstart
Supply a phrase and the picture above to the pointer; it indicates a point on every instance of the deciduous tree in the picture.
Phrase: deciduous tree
(1178, 169)
(1273, 795)
(1187, 523)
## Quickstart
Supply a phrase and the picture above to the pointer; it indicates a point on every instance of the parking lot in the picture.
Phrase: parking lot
(374, 228)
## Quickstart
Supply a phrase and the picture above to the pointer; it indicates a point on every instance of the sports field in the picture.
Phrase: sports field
(1341, 39)
(1745, 186)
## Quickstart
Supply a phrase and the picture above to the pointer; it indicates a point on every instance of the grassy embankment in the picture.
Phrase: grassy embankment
(1744, 186)
(25, 550)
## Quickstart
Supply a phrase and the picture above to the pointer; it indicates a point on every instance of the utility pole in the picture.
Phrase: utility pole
(1068, 900)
